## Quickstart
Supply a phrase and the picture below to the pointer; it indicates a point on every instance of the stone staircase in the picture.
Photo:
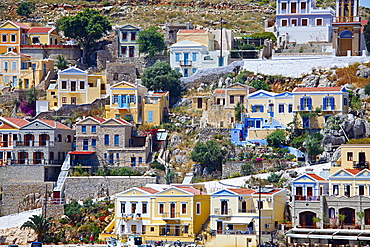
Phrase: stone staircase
(311, 48)
(59, 188)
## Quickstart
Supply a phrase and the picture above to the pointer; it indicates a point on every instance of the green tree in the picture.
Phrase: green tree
(160, 77)
(367, 89)
(264, 35)
(276, 138)
(238, 111)
(86, 27)
(274, 177)
(170, 176)
(25, 9)
(367, 35)
(62, 63)
(208, 154)
(247, 169)
(258, 85)
(73, 211)
(313, 146)
(151, 41)
(40, 224)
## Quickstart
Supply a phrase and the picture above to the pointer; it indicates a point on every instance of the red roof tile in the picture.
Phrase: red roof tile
(149, 190)
(122, 121)
(271, 192)
(317, 89)
(53, 123)
(99, 119)
(219, 91)
(82, 152)
(40, 29)
(21, 24)
(193, 31)
(243, 191)
(317, 177)
(353, 171)
(17, 121)
(190, 190)
(159, 93)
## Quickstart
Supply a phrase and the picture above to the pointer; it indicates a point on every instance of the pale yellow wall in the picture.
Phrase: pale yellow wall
(157, 113)
(206, 39)
(259, 133)
(355, 149)
(232, 240)
(236, 91)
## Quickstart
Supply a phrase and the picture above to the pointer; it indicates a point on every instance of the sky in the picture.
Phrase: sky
(365, 3)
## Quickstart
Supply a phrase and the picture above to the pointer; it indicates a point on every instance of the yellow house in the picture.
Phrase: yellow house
(177, 212)
(353, 156)
(20, 70)
(329, 100)
(201, 36)
(235, 215)
(132, 101)
(42, 36)
(75, 86)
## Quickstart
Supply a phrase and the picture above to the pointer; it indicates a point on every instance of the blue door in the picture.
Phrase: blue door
(133, 161)
(123, 101)
(186, 72)
(258, 124)
(271, 110)
(186, 59)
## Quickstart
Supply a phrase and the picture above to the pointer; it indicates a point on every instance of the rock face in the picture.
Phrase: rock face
(311, 80)
(363, 71)
(16, 236)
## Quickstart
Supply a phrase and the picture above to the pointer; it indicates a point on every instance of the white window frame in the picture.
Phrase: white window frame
(287, 22)
(308, 23)
(11, 37)
(322, 21)
(186, 205)
(159, 208)
(200, 208)
(291, 22)
(6, 38)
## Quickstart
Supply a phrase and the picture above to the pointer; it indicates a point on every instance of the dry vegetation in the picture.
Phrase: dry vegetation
(348, 76)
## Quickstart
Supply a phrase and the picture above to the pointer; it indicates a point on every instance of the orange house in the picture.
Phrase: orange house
(12, 36)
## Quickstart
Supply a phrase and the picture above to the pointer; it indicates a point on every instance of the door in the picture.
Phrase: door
(309, 191)
(224, 207)
(186, 72)
(177, 230)
(73, 85)
(306, 219)
(173, 210)
(200, 103)
(186, 58)
(344, 46)
(219, 227)
(362, 158)
(131, 51)
(258, 124)
(271, 110)
(133, 229)
(133, 161)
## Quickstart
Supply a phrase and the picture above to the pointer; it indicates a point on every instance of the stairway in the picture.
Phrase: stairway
(59, 188)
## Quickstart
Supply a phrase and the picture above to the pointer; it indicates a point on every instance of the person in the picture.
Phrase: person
(82, 240)
(92, 239)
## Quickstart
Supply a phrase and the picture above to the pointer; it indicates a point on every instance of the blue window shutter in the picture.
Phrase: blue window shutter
(150, 116)
(301, 106)
(324, 100)
(253, 108)
(332, 103)
(262, 110)
(309, 104)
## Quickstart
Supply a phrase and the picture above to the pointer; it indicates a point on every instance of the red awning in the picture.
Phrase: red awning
(82, 152)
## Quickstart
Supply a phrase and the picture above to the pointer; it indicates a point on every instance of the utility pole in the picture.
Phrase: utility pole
(220, 62)
(259, 216)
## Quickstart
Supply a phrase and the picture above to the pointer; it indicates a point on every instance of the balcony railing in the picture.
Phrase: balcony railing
(5, 144)
(306, 198)
(26, 161)
(219, 211)
(243, 210)
(34, 143)
(173, 215)
(237, 232)
(360, 164)
(186, 63)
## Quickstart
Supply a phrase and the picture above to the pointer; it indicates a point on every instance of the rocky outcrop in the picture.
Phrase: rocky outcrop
(311, 81)
(16, 236)
(363, 71)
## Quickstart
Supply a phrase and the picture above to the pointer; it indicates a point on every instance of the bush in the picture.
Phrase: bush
(300, 49)
(246, 47)
(258, 85)
(367, 89)
(276, 138)
(157, 165)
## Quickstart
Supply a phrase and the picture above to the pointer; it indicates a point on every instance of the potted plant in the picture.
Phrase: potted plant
(341, 218)
(360, 216)
(317, 220)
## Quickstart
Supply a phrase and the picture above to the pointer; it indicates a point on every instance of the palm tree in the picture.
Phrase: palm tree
(39, 224)
(62, 63)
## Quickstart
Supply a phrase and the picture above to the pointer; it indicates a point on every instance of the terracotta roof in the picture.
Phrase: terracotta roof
(317, 177)
(159, 94)
(99, 119)
(219, 91)
(23, 55)
(193, 31)
(53, 123)
(40, 30)
(353, 171)
(191, 190)
(269, 193)
(21, 24)
(17, 121)
(149, 190)
(243, 191)
(82, 152)
(317, 89)
(123, 121)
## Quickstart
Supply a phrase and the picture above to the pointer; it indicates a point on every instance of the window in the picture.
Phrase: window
(232, 99)
(116, 140)
(82, 85)
(177, 57)
(345, 102)
(64, 100)
(13, 38)
(64, 84)
(27, 84)
(123, 50)
(304, 22)
(93, 142)
(132, 99)
(281, 108)
(106, 140)
(133, 207)
(336, 189)
(118, 116)
(328, 103)
(193, 70)
(93, 129)
(283, 6)
(14, 65)
(73, 100)
(143, 229)
(123, 208)
(306, 103)
(115, 99)
(152, 229)
(319, 22)
(124, 35)
(69, 138)
(6, 65)
(194, 56)
(260, 204)
(133, 36)
(83, 129)
(161, 208)
(73, 85)
(183, 208)
(303, 5)
(241, 99)
(198, 208)
(23, 65)
(85, 144)
(361, 190)
(349, 156)
(4, 38)
(284, 23)
(145, 208)
(35, 40)
(140, 160)
(290, 108)
(331, 213)
(14, 81)
(294, 22)
(117, 156)
(293, 7)
(150, 116)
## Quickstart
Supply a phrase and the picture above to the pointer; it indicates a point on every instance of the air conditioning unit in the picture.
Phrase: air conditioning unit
(267, 225)
(269, 199)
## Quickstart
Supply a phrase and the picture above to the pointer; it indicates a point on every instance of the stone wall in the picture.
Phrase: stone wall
(206, 134)
(72, 54)
(231, 167)
(82, 188)
(117, 72)
(24, 173)
(8, 97)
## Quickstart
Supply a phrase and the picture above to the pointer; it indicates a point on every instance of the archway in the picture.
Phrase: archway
(306, 219)
(349, 215)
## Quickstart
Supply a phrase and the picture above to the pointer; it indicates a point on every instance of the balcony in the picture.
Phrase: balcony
(171, 216)
(219, 211)
(307, 198)
(360, 164)
(244, 210)
(40, 161)
(186, 63)
(31, 143)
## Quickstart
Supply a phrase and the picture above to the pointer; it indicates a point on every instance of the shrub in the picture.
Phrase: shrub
(246, 47)
(300, 49)
(367, 89)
